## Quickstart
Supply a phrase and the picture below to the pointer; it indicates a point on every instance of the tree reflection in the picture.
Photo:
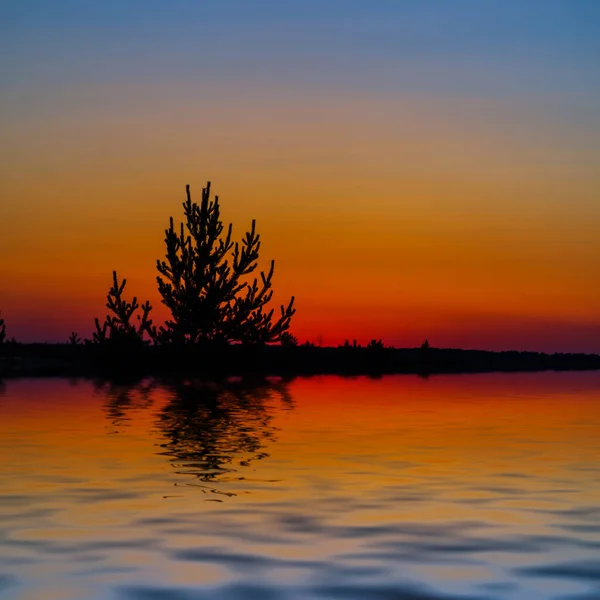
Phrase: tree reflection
(213, 428)
(125, 396)
(210, 429)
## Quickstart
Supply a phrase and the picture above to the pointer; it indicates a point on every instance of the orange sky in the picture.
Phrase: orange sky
(421, 211)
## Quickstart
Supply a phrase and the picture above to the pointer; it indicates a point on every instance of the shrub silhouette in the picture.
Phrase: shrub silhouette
(2, 330)
(350, 346)
(74, 339)
(375, 345)
(288, 340)
(203, 282)
(117, 328)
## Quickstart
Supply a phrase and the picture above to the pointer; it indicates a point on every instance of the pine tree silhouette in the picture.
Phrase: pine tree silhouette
(118, 328)
(203, 282)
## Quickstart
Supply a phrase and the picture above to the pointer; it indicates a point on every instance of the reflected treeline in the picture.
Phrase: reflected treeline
(211, 429)
(214, 428)
(124, 396)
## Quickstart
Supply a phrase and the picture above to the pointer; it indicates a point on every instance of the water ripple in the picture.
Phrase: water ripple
(311, 489)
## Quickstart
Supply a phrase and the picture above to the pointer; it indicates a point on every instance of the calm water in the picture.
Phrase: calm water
(396, 488)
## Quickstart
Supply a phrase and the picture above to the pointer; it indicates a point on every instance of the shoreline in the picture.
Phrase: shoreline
(63, 360)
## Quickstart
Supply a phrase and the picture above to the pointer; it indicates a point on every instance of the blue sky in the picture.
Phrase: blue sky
(490, 46)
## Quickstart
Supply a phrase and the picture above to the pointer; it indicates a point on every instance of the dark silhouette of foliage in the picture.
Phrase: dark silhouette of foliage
(74, 339)
(118, 328)
(425, 345)
(375, 345)
(203, 282)
(288, 340)
(2, 330)
(238, 360)
(350, 346)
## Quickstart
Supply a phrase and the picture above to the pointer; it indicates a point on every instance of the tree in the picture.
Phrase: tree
(204, 282)
(2, 330)
(118, 327)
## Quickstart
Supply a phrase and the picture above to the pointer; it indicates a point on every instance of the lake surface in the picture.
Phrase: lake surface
(452, 487)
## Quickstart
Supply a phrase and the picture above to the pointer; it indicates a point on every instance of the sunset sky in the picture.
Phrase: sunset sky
(418, 169)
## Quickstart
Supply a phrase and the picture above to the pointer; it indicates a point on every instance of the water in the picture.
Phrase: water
(454, 487)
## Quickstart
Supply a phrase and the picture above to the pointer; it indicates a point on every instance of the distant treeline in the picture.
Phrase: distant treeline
(91, 360)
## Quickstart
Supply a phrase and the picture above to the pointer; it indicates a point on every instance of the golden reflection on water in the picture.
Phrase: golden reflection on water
(483, 486)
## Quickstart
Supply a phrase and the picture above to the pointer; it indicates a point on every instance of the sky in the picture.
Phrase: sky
(417, 169)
